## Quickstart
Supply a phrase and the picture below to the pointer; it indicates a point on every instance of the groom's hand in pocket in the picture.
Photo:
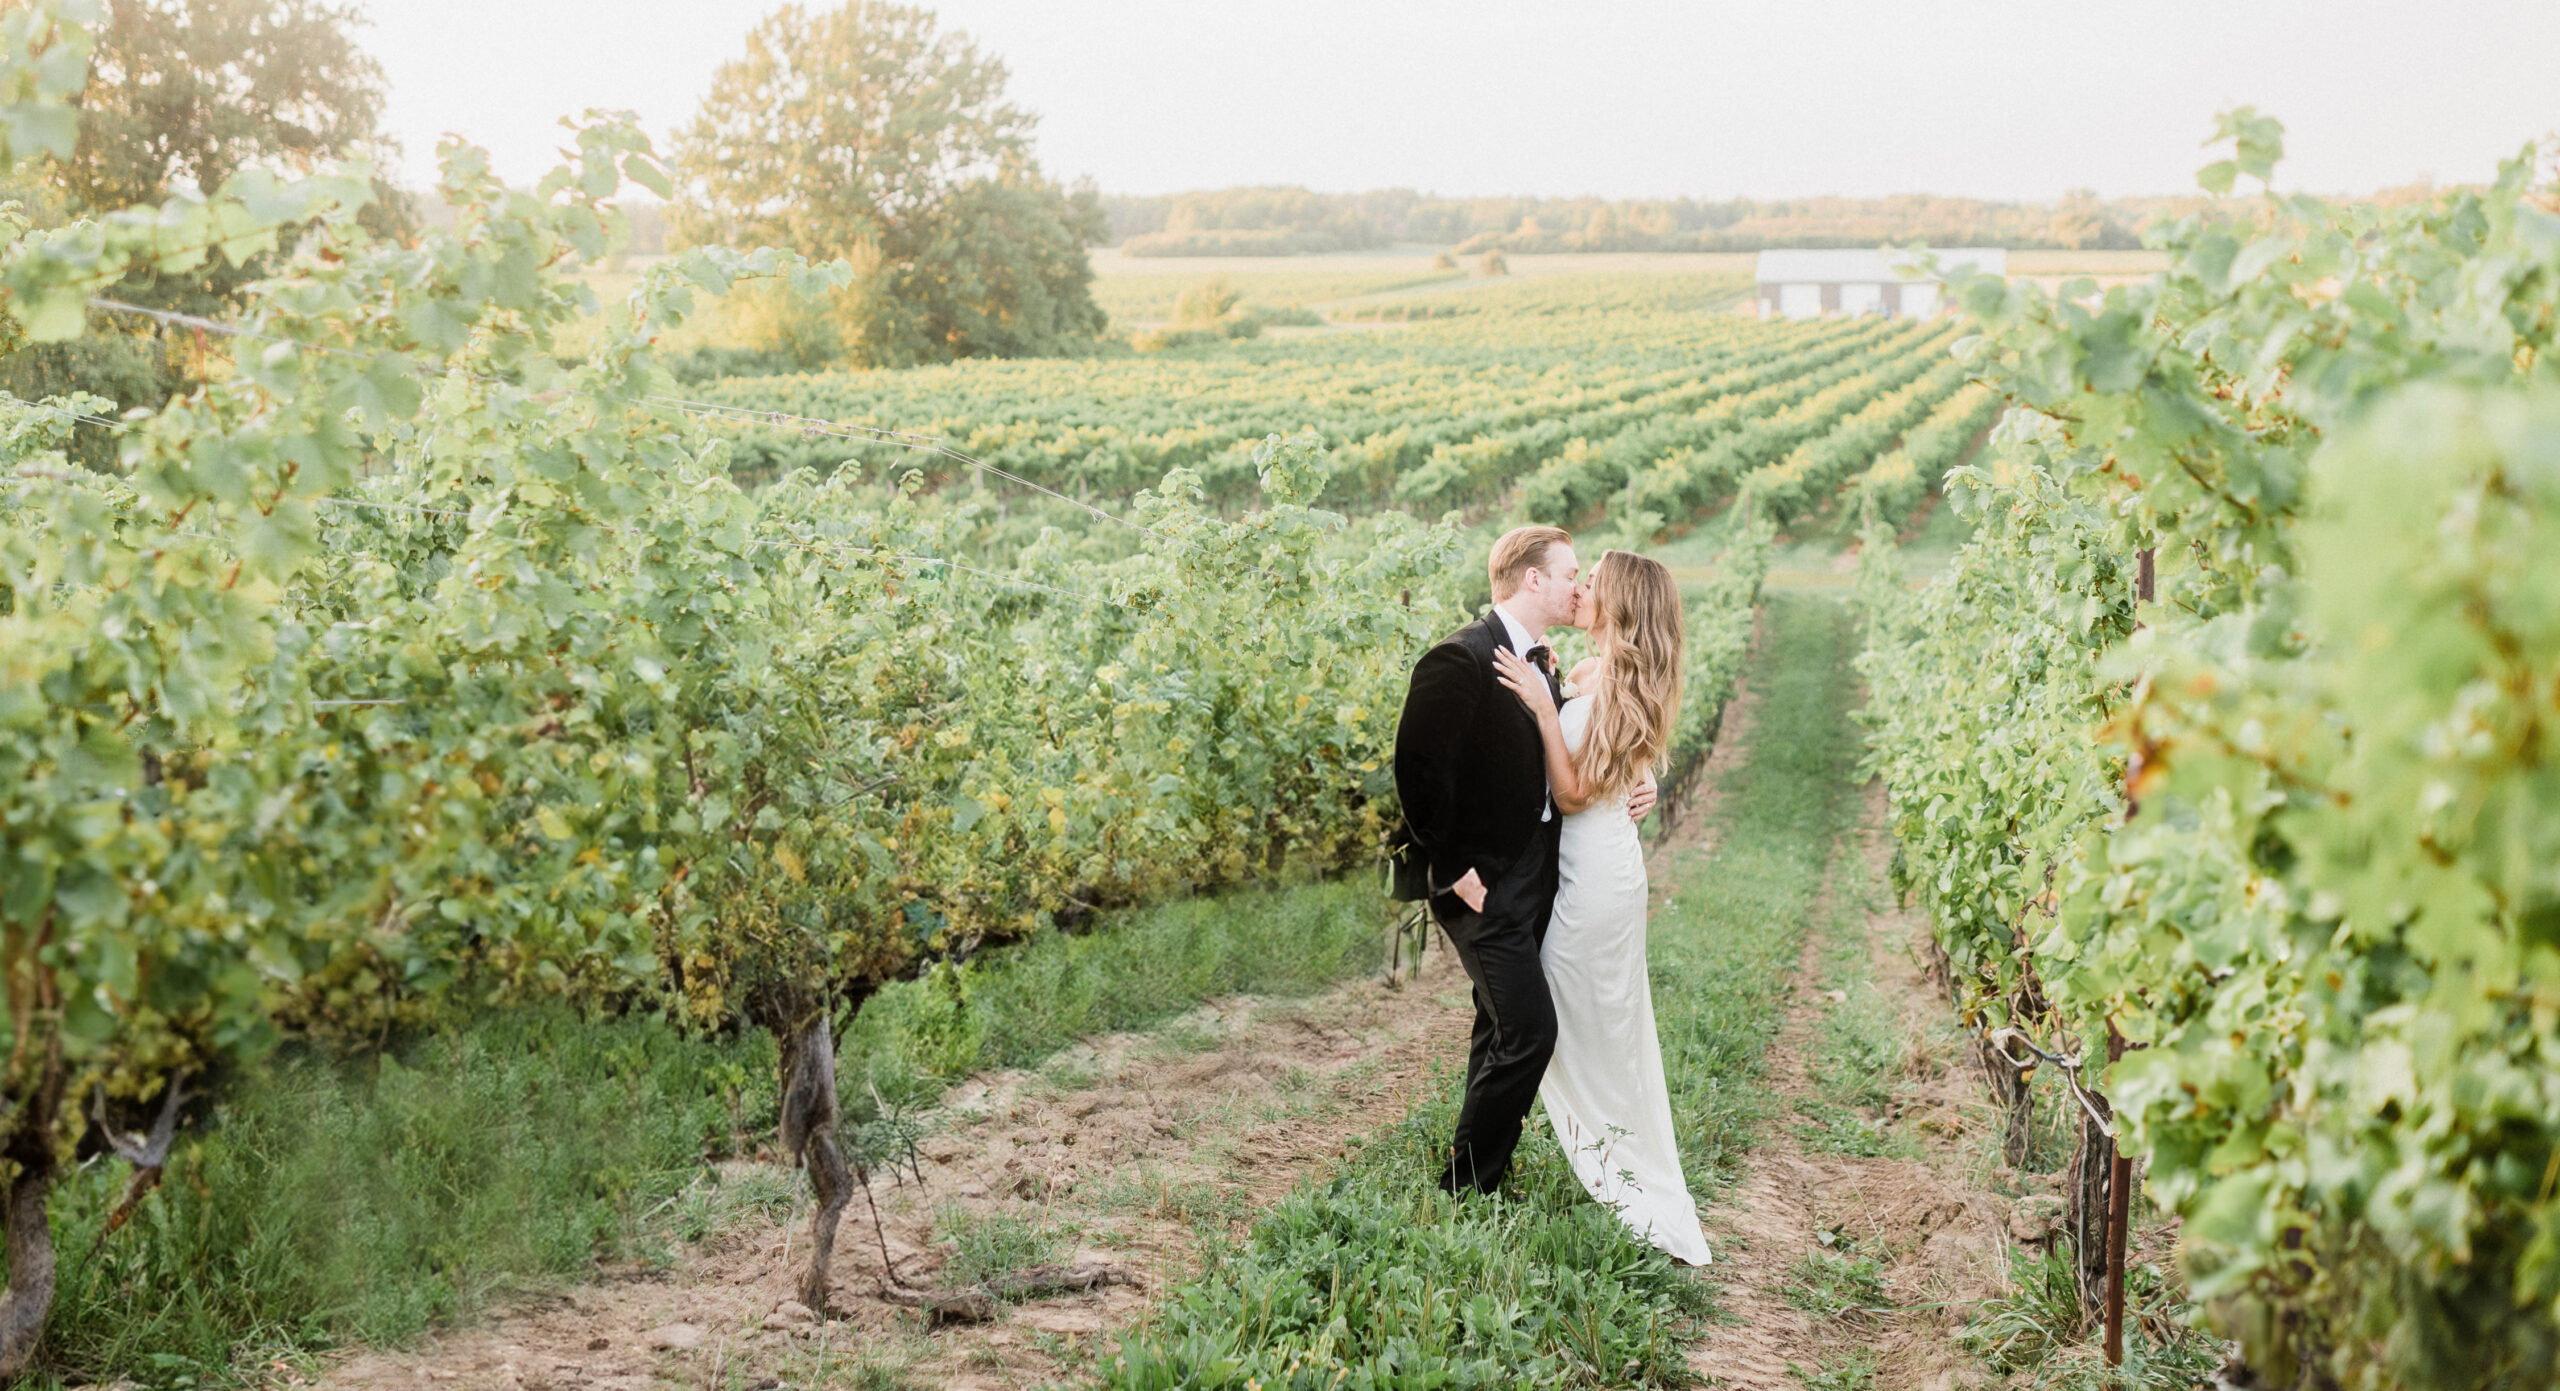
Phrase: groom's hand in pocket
(1640, 801)
(1470, 891)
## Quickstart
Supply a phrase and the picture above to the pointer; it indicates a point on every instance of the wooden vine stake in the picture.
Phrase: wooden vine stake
(2120, 1165)
(2119, 1215)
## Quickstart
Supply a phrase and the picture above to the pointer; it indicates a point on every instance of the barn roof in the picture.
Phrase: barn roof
(1878, 267)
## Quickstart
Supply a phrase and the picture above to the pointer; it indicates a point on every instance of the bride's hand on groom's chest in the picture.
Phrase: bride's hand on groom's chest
(1532, 684)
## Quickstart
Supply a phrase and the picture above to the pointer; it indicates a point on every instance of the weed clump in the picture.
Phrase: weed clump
(990, 1244)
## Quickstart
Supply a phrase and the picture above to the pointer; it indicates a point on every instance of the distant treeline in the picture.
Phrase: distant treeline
(1295, 221)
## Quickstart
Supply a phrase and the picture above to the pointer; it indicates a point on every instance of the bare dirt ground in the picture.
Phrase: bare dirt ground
(1124, 1151)
(1938, 1233)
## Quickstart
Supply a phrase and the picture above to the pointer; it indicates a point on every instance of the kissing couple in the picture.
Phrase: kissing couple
(1522, 802)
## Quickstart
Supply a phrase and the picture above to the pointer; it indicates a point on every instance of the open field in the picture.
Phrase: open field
(1140, 291)
(1108, 264)
(2106, 263)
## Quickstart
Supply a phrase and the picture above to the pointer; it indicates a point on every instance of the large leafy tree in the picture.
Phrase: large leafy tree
(868, 133)
(190, 92)
(181, 95)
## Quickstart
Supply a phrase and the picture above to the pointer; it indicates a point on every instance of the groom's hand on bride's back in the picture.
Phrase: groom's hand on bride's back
(1640, 800)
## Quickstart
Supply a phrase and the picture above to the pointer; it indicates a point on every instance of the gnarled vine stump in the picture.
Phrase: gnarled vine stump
(36, 1084)
(809, 1137)
(2084, 1217)
(2007, 1082)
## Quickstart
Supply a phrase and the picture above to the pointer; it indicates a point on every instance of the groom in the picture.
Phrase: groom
(1471, 773)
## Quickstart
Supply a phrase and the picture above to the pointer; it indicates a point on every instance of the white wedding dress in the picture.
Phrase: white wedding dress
(1604, 1091)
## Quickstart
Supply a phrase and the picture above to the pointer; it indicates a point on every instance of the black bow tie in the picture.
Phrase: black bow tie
(1543, 658)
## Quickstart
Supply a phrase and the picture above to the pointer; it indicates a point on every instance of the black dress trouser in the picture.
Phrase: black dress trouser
(1515, 1031)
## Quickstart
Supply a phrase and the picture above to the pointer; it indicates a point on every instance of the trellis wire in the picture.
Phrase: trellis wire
(2001, 1039)
(69, 414)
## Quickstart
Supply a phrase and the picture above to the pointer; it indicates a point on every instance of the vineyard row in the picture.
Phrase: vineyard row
(2222, 758)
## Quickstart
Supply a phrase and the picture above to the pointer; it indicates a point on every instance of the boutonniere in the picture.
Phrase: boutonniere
(1570, 690)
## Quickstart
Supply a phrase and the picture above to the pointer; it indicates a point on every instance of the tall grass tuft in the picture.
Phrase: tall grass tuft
(2037, 1334)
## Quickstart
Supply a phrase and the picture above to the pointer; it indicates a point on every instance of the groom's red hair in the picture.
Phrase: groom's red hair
(1521, 549)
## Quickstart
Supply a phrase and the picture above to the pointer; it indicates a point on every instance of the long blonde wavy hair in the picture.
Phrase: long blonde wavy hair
(1636, 627)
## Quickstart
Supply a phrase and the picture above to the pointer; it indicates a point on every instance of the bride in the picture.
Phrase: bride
(1604, 1091)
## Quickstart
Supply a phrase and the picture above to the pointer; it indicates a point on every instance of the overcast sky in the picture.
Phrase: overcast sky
(1707, 98)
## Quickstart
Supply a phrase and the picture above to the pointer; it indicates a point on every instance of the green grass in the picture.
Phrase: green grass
(334, 1200)
(1724, 958)
(1856, 1059)
(1838, 1283)
(986, 1245)
(1378, 1274)
(1851, 1371)
(1375, 1277)
(1210, 1207)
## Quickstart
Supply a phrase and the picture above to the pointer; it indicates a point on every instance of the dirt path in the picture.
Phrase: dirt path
(1863, 1265)
(1125, 1151)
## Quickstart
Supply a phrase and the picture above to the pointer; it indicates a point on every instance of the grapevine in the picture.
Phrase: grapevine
(2275, 829)
(402, 671)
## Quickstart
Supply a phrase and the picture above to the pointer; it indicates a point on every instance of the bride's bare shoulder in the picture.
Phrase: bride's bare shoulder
(1584, 671)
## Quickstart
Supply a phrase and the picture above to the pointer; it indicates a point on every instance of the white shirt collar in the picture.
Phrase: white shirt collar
(1521, 643)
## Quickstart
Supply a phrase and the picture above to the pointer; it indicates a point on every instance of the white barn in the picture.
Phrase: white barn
(1808, 284)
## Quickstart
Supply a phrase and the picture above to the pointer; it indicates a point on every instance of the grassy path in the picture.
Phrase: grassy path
(1730, 914)
(1869, 1235)
(1373, 1276)
(1864, 1225)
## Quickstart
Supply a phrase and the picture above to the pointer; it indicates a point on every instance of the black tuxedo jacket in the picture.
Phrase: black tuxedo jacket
(1470, 769)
